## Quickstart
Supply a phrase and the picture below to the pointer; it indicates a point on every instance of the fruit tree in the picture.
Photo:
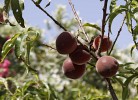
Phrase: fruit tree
(83, 62)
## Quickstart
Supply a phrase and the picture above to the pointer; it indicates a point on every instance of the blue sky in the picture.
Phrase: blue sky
(89, 10)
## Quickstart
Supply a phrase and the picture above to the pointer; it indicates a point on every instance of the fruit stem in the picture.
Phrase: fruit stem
(103, 26)
(79, 21)
(110, 88)
(56, 22)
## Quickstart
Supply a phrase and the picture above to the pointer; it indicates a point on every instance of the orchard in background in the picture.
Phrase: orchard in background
(82, 63)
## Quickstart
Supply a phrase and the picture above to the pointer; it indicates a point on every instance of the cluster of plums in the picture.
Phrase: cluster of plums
(78, 55)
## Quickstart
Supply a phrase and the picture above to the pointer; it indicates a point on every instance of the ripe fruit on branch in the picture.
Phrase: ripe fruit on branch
(72, 70)
(66, 43)
(106, 44)
(107, 66)
(80, 55)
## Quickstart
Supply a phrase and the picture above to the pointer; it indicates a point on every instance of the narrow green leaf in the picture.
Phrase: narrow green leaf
(125, 92)
(132, 48)
(32, 36)
(117, 10)
(128, 21)
(135, 32)
(92, 25)
(8, 46)
(126, 64)
(21, 2)
(17, 12)
(28, 49)
(38, 1)
(29, 83)
(112, 5)
(18, 49)
(48, 4)
(118, 80)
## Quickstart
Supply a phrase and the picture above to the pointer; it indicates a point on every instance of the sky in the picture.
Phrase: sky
(89, 10)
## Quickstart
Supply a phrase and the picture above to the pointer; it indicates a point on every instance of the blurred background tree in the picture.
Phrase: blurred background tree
(35, 69)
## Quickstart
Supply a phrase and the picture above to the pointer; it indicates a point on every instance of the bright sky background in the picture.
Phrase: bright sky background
(89, 10)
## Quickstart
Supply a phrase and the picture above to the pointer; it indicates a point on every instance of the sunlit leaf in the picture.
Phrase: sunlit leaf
(8, 46)
(92, 25)
(112, 5)
(128, 21)
(19, 51)
(17, 12)
(21, 2)
(132, 48)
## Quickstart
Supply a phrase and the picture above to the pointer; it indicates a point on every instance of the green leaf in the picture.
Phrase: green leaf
(112, 5)
(126, 64)
(7, 5)
(21, 4)
(125, 86)
(117, 10)
(17, 48)
(92, 25)
(8, 46)
(132, 48)
(118, 80)
(16, 9)
(125, 93)
(32, 36)
(48, 4)
(135, 32)
(38, 1)
(128, 21)
(28, 49)
(29, 83)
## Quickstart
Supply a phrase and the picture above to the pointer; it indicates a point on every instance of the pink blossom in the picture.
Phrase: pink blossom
(4, 68)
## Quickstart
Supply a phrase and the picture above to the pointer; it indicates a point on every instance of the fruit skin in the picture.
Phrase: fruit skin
(106, 44)
(107, 66)
(80, 55)
(72, 70)
(66, 43)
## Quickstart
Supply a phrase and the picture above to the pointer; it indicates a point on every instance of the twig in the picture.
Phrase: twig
(78, 19)
(48, 46)
(91, 53)
(119, 31)
(133, 34)
(103, 26)
(110, 88)
(56, 22)
(91, 64)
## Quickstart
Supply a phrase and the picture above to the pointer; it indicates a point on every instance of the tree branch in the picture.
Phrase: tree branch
(110, 88)
(79, 21)
(56, 22)
(119, 31)
(103, 26)
(46, 45)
